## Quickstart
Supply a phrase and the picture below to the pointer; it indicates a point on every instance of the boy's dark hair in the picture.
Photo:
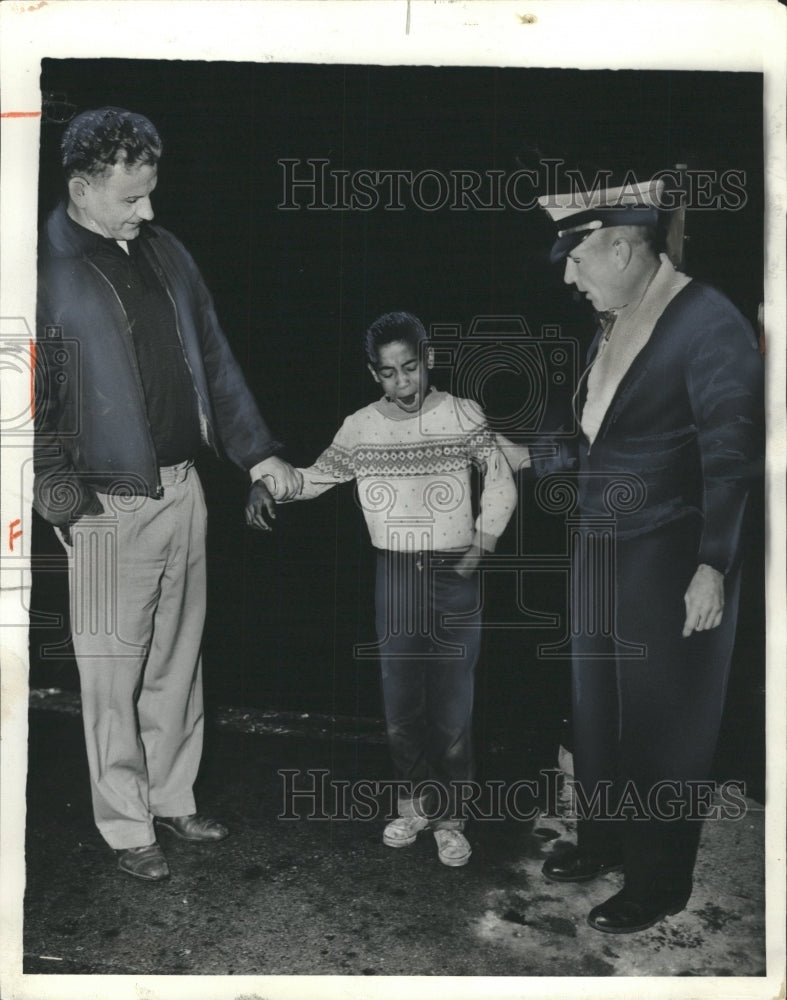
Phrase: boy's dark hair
(392, 328)
(97, 139)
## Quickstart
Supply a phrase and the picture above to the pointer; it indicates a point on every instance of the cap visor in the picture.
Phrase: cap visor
(563, 245)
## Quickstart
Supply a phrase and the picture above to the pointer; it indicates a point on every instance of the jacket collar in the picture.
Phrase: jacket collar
(66, 238)
(618, 353)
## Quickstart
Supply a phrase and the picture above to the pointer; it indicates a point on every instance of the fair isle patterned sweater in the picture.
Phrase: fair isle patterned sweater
(413, 474)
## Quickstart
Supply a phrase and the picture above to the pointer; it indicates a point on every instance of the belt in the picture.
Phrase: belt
(425, 557)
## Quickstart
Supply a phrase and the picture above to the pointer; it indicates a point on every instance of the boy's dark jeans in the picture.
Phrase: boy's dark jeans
(428, 669)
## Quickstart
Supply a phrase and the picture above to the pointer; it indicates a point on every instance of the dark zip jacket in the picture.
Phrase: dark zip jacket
(92, 430)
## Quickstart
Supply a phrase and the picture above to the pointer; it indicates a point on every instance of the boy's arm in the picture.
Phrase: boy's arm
(317, 480)
(497, 503)
(326, 472)
(335, 465)
(261, 505)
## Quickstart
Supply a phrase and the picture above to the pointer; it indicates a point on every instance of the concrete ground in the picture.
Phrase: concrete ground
(325, 897)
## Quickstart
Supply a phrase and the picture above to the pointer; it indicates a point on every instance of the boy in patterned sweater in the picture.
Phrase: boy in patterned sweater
(411, 455)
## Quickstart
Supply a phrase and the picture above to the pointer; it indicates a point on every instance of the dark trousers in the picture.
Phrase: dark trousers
(644, 720)
(428, 670)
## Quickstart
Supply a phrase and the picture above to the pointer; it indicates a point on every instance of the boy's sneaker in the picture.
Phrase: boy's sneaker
(402, 832)
(452, 847)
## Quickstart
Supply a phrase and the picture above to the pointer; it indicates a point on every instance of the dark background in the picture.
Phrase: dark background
(296, 289)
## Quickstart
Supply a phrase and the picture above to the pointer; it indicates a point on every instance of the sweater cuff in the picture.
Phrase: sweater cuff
(485, 541)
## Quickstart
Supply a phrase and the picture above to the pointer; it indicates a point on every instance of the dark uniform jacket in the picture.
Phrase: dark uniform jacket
(682, 437)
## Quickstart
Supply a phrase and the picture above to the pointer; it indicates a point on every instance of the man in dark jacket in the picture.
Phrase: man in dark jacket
(669, 442)
(135, 376)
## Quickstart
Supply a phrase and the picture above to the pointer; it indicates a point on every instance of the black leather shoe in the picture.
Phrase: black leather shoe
(624, 915)
(574, 866)
(147, 863)
(196, 828)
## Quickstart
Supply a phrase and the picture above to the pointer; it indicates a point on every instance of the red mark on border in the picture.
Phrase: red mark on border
(32, 380)
(13, 535)
(20, 114)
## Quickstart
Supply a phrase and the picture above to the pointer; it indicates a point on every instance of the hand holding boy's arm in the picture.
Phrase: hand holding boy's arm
(517, 455)
(283, 481)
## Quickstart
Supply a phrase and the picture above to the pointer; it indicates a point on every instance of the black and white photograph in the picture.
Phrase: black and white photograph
(500, 289)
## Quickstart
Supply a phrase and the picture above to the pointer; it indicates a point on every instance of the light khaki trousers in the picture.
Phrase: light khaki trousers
(137, 597)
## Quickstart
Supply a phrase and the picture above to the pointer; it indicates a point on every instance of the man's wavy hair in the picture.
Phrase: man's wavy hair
(97, 139)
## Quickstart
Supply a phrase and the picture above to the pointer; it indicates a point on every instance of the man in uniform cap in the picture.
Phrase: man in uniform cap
(670, 407)
(136, 375)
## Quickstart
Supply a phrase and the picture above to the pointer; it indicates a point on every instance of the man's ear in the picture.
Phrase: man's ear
(430, 358)
(375, 376)
(621, 248)
(77, 189)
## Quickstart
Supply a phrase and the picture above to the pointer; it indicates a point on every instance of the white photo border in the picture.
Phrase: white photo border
(729, 35)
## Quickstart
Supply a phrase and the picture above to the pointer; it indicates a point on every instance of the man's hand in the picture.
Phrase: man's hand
(704, 600)
(259, 504)
(282, 480)
(469, 561)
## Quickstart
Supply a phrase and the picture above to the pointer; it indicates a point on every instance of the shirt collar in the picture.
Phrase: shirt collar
(90, 242)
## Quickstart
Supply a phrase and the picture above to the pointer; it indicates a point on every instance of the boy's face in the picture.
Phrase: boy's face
(402, 372)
